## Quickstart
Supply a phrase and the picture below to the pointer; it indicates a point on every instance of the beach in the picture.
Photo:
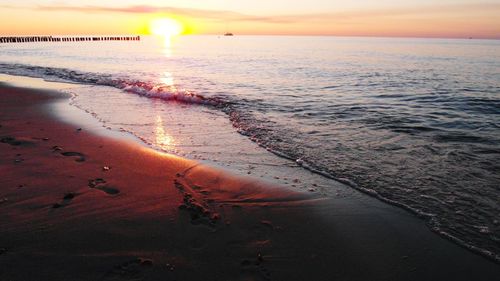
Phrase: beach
(77, 204)
(410, 121)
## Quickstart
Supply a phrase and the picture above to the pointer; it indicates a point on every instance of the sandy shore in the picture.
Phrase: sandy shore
(81, 206)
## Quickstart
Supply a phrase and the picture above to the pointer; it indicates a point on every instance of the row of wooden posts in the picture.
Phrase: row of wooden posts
(24, 39)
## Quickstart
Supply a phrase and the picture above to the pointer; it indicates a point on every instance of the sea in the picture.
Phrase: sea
(412, 122)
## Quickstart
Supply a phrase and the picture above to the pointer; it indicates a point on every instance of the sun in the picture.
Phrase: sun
(166, 27)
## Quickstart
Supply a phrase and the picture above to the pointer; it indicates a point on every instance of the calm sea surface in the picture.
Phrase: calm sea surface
(414, 122)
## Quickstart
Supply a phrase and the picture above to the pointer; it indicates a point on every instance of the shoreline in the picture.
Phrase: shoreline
(158, 216)
(307, 179)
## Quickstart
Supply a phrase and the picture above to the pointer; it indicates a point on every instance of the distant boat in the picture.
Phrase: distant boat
(228, 34)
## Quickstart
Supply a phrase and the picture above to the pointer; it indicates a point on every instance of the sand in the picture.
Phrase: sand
(76, 205)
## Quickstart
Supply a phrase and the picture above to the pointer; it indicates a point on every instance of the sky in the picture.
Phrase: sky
(392, 18)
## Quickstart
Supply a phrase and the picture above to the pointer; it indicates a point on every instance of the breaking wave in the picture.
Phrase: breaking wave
(146, 89)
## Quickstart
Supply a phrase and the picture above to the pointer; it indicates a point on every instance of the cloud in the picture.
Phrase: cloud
(188, 12)
(460, 10)
(464, 9)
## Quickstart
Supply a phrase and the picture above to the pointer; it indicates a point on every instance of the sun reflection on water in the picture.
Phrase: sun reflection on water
(163, 139)
(167, 79)
(167, 47)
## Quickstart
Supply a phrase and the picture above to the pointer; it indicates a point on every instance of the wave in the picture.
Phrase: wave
(147, 89)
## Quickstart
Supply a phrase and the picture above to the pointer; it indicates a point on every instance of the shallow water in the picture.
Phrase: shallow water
(414, 122)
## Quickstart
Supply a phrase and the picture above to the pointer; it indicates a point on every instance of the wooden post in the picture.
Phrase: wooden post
(26, 39)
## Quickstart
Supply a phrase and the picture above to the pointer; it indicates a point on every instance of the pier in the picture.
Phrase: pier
(28, 39)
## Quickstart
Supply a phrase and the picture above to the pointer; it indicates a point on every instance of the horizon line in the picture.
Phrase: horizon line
(255, 34)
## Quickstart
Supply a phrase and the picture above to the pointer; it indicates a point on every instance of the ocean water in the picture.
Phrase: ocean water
(413, 122)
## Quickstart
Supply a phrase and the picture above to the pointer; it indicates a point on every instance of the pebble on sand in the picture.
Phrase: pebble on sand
(260, 258)
(171, 267)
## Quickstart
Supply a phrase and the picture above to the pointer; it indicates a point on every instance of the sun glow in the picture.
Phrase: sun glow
(166, 27)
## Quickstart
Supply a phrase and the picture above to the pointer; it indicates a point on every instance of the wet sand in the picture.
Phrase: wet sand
(81, 206)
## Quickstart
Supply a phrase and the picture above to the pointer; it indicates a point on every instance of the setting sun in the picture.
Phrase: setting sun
(166, 27)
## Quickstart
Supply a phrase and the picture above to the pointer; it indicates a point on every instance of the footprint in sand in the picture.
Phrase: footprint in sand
(199, 208)
(131, 270)
(79, 156)
(100, 184)
(15, 142)
(65, 201)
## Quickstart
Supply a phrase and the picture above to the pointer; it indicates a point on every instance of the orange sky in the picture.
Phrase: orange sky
(460, 19)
